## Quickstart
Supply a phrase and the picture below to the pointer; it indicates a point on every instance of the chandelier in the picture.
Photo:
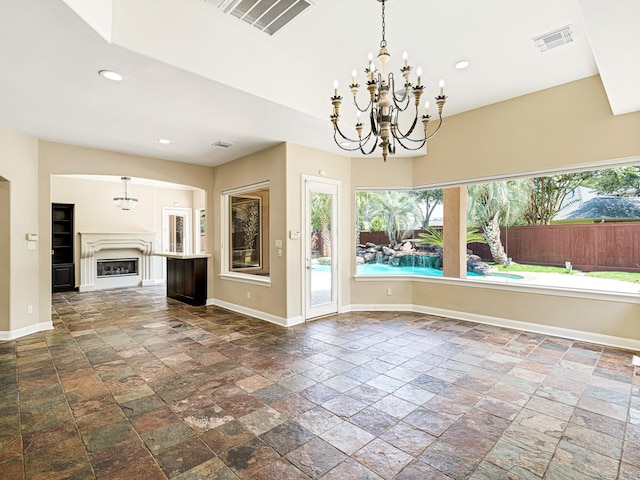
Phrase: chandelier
(385, 106)
(125, 202)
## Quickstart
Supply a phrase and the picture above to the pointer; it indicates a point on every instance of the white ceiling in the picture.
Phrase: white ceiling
(196, 76)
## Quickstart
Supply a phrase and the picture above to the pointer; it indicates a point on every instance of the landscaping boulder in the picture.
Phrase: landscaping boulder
(388, 252)
(406, 247)
(476, 265)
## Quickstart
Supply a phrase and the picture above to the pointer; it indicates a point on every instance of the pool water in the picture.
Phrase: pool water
(383, 269)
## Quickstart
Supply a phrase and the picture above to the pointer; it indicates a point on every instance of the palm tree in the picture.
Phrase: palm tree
(399, 211)
(435, 237)
(321, 210)
(363, 210)
(491, 203)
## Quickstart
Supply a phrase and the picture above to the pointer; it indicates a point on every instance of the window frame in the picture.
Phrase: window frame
(257, 275)
(609, 295)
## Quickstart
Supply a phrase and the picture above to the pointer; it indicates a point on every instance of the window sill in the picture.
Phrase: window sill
(610, 296)
(246, 278)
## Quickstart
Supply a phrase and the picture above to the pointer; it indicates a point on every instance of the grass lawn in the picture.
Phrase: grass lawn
(518, 267)
(622, 276)
(521, 267)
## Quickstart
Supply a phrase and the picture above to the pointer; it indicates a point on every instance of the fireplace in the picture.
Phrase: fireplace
(109, 267)
(115, 260)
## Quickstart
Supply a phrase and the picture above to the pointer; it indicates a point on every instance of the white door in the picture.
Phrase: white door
(321, 247)
(176, 230)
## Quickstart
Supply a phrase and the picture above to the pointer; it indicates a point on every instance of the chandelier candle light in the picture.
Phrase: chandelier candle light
(385, 106)
(125, 202)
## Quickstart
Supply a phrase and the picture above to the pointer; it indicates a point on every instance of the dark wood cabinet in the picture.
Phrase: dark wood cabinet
(63, 277)
(187, 280)
(62, 236)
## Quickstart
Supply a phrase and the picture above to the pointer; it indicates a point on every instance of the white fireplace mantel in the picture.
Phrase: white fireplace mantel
(92, 243)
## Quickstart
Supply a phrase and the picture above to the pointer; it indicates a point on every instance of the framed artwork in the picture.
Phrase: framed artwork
(246, 232)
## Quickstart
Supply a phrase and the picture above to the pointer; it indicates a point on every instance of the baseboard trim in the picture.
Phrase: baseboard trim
(283, 322)
(379, 307)
(599, 338)
(24, 331)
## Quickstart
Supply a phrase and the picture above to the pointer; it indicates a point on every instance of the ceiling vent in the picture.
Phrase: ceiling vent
(268, 16)
(222, 144)
(554, 39)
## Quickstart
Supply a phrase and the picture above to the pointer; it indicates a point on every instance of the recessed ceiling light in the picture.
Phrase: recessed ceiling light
(111, 75)
(164, 141)
(462, 64)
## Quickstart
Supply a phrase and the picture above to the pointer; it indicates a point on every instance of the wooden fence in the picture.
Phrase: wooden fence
(589, 247)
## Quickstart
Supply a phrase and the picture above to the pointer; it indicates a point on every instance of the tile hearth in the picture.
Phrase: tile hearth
(132, 385)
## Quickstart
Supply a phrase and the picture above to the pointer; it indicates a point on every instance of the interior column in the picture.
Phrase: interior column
(455, 232)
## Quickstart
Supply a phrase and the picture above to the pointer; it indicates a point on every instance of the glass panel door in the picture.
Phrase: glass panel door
(176, 230)
(321, 267)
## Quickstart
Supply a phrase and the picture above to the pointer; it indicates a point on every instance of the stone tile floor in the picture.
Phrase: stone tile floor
(131, 385)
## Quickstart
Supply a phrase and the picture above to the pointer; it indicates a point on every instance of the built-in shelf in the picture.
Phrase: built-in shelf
(62, 236)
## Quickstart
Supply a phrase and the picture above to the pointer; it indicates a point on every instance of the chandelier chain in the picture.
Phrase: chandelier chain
(383, 42)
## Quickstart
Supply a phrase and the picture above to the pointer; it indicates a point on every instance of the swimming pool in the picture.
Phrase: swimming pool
(382, 269)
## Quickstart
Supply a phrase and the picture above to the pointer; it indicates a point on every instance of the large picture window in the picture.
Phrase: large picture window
(573, 230)
(247, 232)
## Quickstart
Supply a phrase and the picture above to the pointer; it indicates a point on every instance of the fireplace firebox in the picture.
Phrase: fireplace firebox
(117, 267)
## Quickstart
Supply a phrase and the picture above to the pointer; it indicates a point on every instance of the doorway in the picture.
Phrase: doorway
(320, 291)
(176, 230)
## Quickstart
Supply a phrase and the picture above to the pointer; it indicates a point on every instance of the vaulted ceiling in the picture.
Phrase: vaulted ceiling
(196, 75)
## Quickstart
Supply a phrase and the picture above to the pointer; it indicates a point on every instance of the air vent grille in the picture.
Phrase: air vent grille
(268, 16)
(554, 39)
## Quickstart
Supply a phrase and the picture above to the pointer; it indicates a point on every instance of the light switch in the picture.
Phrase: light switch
(278, 243)
(31, 245)
(279, 252)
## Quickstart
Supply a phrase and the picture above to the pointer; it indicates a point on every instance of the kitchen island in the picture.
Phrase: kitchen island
(187, 277)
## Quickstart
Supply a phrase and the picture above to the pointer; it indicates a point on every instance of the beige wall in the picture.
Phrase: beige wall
(19, 166)
(60, 159)
(375, 173)
(580, 313)
(268, 165)
(565, 126)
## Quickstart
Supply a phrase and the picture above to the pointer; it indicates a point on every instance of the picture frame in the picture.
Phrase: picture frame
(245, 233)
